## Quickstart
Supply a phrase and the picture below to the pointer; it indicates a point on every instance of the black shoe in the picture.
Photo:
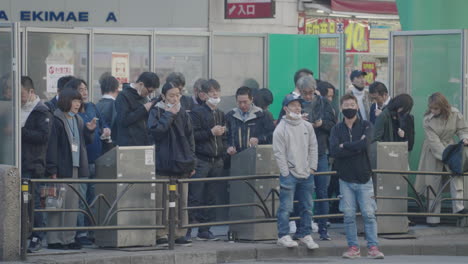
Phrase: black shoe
(433, 224)
(162, 242)
(56, 246)
(35, 245)
(74, 246)
(85, 241)
(182, 241)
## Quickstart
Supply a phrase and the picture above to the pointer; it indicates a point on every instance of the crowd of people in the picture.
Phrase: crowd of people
(63, 137)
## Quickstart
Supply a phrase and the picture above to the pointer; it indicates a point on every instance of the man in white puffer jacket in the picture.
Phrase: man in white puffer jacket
(295, 150)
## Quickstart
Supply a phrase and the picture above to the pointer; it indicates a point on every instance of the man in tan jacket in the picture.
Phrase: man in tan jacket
(295, 150)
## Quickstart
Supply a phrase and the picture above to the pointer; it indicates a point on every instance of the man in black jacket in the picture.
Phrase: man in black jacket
(349, 145)
(247, 126)
(209, 129)
(52, 104)
(106, 106)
(132, 110)
(320, 114)
(36, 124)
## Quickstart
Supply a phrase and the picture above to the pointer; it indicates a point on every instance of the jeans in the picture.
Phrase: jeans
(302, 189)
(40, 219)
(362, 194)
(204, 193)
(321, 192)
(87, 190)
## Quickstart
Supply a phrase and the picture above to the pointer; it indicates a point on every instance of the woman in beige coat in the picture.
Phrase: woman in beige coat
(441, 124)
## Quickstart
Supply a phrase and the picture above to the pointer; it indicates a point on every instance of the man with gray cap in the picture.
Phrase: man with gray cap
(361, 93)
(295, 150)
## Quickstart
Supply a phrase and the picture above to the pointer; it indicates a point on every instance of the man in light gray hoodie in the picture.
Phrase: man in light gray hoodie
(295, 150)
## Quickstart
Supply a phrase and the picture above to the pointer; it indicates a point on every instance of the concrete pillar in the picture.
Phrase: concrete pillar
(10, 211)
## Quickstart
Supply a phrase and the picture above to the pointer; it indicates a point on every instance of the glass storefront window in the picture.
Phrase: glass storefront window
(185, 54)
(237, 61)
(52, 55)
(123, 56)
(7, 102)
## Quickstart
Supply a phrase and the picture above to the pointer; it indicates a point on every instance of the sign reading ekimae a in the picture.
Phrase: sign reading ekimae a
(54, 16)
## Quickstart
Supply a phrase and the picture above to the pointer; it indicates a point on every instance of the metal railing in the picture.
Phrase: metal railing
(173, 198)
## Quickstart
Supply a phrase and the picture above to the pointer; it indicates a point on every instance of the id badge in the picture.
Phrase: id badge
(74, 147)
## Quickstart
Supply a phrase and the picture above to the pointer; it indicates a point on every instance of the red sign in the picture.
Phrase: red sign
(371, 70)
(240, 9)
(356, 31)
(365, 6)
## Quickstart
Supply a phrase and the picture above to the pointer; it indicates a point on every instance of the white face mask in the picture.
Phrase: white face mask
(295, 116)
(214, 101)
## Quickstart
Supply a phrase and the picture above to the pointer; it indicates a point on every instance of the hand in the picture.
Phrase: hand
(401, 133)
(317, 123)
(377, 112)
(465, 141)
(217, 130)
(341, 145)
(92, 124)
(253, 141)
(174, 109)
(312, 171)
(191, 174)
(53, 176)
(106, 132)
(363, 137)
(231, 150)
(148, 106)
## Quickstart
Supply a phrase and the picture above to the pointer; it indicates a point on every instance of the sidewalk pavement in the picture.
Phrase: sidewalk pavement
(442, 240)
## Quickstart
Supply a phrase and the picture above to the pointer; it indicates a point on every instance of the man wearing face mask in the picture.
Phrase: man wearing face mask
(349, 145)
(209, 129)
(361, 93)
(295, 150)
(132, 110)
(36, 124)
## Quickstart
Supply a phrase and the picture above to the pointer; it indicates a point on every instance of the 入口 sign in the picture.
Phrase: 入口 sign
(241, 9)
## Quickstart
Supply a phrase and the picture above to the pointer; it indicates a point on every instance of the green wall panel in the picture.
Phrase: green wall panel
(432, 14)
(287, 54)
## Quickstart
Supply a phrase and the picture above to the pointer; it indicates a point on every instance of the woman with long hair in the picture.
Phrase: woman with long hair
(442, 123)
(396, 123)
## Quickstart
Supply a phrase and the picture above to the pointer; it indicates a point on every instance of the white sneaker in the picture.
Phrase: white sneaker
(314, 227)
(309, 242)
(292, 227)
(286, 241)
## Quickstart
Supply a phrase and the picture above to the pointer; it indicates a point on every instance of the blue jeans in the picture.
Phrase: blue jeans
(362, 194)
(303, 188)
(87, 190)
(40, 219)
(321, 192)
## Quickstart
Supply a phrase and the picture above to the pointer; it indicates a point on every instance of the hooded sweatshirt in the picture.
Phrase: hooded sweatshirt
(295, 148)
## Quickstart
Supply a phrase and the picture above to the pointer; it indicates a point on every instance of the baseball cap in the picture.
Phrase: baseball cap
(290, 98)
(357, 73)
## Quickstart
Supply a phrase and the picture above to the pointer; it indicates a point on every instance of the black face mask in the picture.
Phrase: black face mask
(349, 113)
